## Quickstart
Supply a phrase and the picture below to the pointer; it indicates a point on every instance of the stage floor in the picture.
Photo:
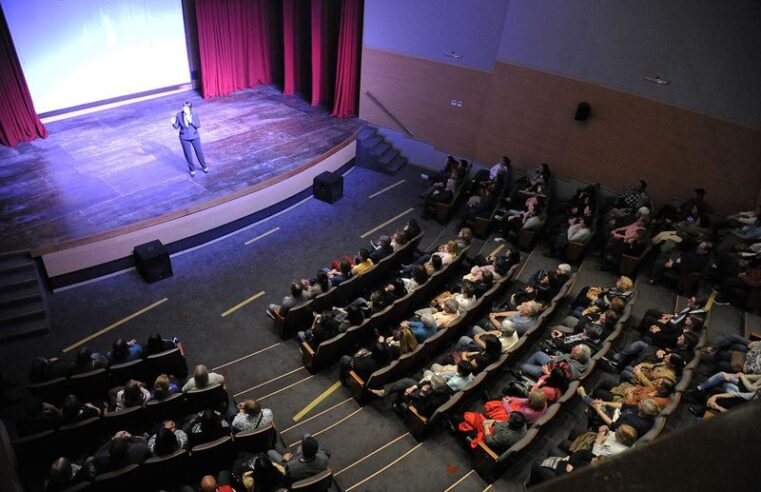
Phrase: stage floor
(122, 166)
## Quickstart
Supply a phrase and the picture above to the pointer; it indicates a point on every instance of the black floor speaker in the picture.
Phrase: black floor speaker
(152, 261)
(328, 187)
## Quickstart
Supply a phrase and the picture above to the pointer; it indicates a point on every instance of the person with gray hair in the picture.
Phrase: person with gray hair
(474, 340)
(573, 364)
(202, 378)
(381, 249)
(522, 319)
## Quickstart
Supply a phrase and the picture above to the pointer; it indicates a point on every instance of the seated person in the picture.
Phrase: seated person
(728, 354)
(202, 378)
(574, 364)
(576, 229)
(124, 351)
(464, 238)
(167, 439)
(74, 410)
(542, 286)
(297, 296)
(522, 319)
(363, 263)
(561, 343)
(308, 461)
(457, 376)
(251, 416)
(615, 414)
(222, 483)
(557, 466)
(499, 435)
(661, 393)
(595, 299)
(206, 426)
(382, 249)
(426, 396)
(649, 350)
(38, 416)
(478, 359)
(611, 443)
(323, 327)
(134, 394)
(87, 361)
(723, 402)
(419, 277)
(695, 307)
(505, 333)
(65, 473)
(156, 344)
(340, 274)
(484, 284)
(319, 285)
(444, 314)
(364, 362)
(646, 373)
(164, 387)
(122, 450)
(498, 268)
(532, 408)
(423, 329)
(692, 260)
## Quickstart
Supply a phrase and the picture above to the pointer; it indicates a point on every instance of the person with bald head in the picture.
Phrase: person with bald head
(223, 483)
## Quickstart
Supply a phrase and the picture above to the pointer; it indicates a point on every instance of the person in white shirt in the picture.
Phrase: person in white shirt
(202, 378)
(611, 443)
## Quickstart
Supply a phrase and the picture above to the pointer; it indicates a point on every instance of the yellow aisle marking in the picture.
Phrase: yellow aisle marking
(709, 302)
(287, 387)
(387, 188)
(384, 468)
(363, 236)
(496, 250)
(261, 236)
(316, 401)
(317, 415)
(241, 304)
(114, 325)
(268, 381)
(488, 487)
(246, 357)
(331, 425)
(459, 481)
(371, 454)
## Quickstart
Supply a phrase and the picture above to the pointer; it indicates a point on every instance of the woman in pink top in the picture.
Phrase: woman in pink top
(532, 407)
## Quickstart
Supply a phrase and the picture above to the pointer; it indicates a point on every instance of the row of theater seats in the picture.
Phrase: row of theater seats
(96, 383)
(407, 362)
(298, 317)
(420, 426)
(327, 352)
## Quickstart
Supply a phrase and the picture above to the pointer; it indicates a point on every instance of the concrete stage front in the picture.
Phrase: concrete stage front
(102, 182)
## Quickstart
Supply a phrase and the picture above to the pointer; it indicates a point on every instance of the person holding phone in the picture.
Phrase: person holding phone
(188, 123)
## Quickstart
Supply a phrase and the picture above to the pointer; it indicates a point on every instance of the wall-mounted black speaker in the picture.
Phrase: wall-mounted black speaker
(328, 187)
(582, 111)
(152, 261)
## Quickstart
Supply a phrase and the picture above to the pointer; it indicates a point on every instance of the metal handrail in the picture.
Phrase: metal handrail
(389, 113)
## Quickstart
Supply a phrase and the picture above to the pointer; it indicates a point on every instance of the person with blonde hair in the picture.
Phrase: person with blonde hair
(163, 387)
(251, 416)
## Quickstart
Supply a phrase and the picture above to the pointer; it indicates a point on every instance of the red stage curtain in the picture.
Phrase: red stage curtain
(349, 47)
(18, 119)
(324, 46)
(234, 45)
(296, 60)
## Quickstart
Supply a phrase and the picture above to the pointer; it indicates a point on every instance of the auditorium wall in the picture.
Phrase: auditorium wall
(522, 103)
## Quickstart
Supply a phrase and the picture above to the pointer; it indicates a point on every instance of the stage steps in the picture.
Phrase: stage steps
(375, 152)
(23, 311)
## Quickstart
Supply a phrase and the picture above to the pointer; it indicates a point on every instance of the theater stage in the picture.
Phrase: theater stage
(121, 170)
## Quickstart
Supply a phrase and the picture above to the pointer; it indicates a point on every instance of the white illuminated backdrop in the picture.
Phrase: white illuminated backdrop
(80, 51)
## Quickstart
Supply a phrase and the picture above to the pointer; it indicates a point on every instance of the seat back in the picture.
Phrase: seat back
(52, 391)
(130, 419)
(80, 436)
(166, 471)
(318, 483)
(212, 457)
(171, 362)
(119, 374)
(213, 396)
(124, 480)
(89, 385)
(172, 407)
(257, 440)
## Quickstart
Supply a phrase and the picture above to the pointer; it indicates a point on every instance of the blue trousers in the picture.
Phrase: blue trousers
(196, 143)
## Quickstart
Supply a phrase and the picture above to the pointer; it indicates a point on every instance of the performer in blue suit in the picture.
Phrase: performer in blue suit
(189, 123)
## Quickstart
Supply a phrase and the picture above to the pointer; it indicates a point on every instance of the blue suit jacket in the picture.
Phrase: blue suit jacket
(188, 132)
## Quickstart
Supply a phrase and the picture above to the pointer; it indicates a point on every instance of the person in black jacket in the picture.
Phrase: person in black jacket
(364, 362)
(122, 450)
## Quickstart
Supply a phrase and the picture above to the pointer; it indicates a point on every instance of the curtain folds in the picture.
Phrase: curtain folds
(18, 119)
(233, 44)
(349, 50)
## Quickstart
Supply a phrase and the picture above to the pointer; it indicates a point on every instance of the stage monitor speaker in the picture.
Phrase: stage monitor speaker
(328, 187)
(582, 112)
(152, 261)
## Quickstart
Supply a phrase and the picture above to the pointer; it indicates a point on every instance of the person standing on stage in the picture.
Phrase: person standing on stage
(189, 123)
